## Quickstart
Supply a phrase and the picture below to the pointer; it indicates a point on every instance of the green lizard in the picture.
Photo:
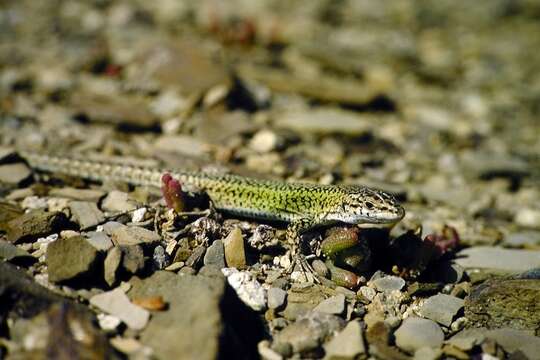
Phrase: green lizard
(303, 206)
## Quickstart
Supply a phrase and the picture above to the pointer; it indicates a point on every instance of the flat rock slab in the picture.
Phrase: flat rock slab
(193, 326)
(441, 308)
(92, 195)
(133, 235)
(86, 214)
(416, 333)
(505, 303)
(348, 344)
(115, 302)
(71, 258)
(35, 224)
(333, 305)
(498, 259)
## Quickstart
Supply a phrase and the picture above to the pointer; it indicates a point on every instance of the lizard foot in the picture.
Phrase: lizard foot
(301, 270)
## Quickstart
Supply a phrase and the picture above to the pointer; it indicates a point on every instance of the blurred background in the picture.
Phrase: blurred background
(436, 101)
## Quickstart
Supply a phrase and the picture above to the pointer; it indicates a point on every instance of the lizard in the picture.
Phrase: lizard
(303, 206)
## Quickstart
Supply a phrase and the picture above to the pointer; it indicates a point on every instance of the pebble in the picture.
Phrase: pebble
(133, 235)
(525, 239)
(99, 239)
(138, 215)
(528, 217)
(317, 121)
(118, 201)
(235, 255)
(215, 255)
(196, 258)
(334, 305)
(264, 141)
(427, 353)
(367, 292)
(388, 283)
(108, 323)
(247, 288)
(467, 339)
(347, 344)
(416, 333)
(498, 259)
(71, 258)
(116, 303)
(12, 253)
(14, 174)
(86, 214)
(276, 298)
(111, 265)
(441, 308)
(110, 226)
(132, 258)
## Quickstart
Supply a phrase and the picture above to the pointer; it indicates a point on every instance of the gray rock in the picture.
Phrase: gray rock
(35, 224)
(416, 333)
(110, 226)
(115, 302)
(118, 201)
(498, 259)
(195, 259)
(348, 344)
(71, 258)
(427, 353)
(132, 258)
(513, 340)
(86, 214)
(14, 254)
(92, 195)
(529, 238)
(309, 331)
(160, 258)
(441, 308)
(467, 339)
(111, 265)
(8, 212)
(505, 303)
(14, 174)
(99, 239)
(235, 255)
(133, 235)
(181, 144)
(276, 297)
(388, 283)
(198, 323)
(215, 255)
(334, 305)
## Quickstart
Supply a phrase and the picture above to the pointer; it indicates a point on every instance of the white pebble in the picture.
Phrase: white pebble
(248, 289)
(138, 215)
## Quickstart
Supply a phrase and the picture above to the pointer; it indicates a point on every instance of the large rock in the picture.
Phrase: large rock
(498, 259)
(441, 308)
(70, 259)
(35, 224)
(512, 303)
(205, 319)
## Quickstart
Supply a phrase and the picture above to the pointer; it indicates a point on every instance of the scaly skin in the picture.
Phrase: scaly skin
(302, 205)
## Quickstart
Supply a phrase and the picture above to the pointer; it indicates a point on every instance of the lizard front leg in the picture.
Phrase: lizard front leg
(294, 232)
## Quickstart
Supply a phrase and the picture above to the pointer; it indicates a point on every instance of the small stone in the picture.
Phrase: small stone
(317, 121)
(388, 283)
(235, 255)
(14, 174)
(512, 340)
(160, 258)
(111, 265)
(108, 323)
(68, 259)
(116, 303)
(348, 344)
(441, 308)
(320, 268)
(153, 303)
(247, 288)
(132, 258)
(138, 215)
(334, 305)
(467, 339)
(118, 201)
(86, 214)
(110, 226)
(276, 298)
(99, 239)
(427, 353)
(196, 258)
(528, 217)
(34, 224)
(215, 255)
(175, 266)
(8, 212)
(367, 292)
(134, 235)
(91, 195)
(498, 259)
(264, 141)
(416, 333)
(128, 345)
(266, 352)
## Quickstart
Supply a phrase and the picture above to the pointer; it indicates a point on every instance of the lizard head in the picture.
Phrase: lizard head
(362, 205)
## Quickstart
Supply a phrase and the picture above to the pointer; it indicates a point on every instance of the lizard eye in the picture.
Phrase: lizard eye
(369, 205)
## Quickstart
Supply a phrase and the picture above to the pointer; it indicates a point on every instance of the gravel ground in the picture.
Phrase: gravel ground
(436, 102)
